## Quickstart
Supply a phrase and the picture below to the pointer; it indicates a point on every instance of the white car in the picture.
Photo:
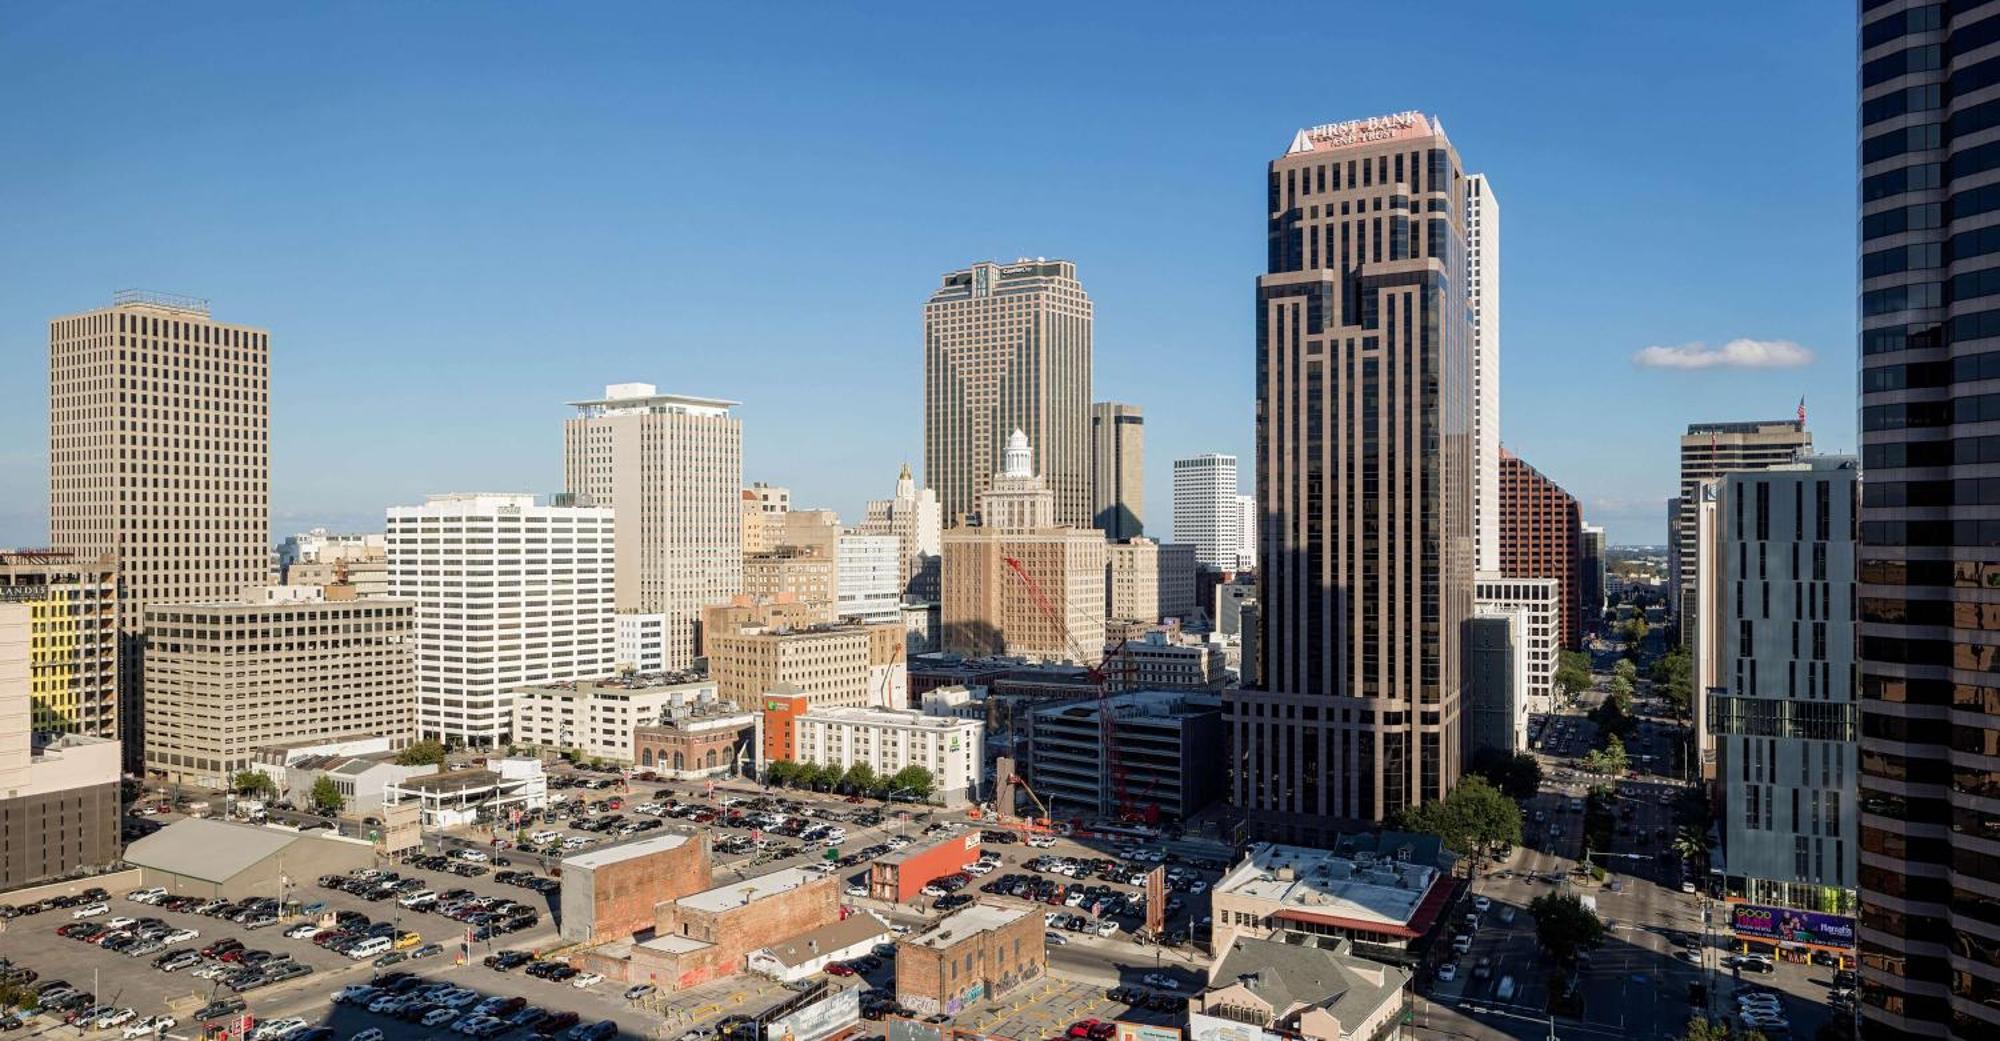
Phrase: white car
(476, 856)
(1041, 841)
(90, 911)
(436, 1017)
(1054, 939)
(1154, 979)
(300, 932)
(1448, 971)
(1107, 928)
(1481, 903)
(857, 890)
(276, 1028)
(150, 1025)
(370, 1034)
(115, 1017)
(181, 936)
(121, 922)
(586, 981)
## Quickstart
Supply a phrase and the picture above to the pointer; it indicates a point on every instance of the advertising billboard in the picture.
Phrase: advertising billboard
(1215, 1028)
(819, 1019)
(1145, 1032)
(1788, 926)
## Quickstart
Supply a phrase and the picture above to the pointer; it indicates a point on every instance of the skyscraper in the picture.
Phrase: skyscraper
(670, 466)
(1364, 482)
(1708, 451)
(1007, 347)
(1592, 559)
(917, 520)
(1482, 269)
(160, 456)
(1207, 515)
(1541, 536)
(1117, 470)
(1927, 559)
(508, 593)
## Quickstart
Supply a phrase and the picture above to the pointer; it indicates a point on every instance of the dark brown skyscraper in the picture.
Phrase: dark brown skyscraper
(1541, 536)
(1930, 534)
(1364, 482)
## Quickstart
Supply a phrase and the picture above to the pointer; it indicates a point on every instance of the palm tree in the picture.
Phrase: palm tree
(1689, 845)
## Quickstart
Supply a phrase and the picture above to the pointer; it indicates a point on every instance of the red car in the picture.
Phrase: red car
(1082, 1027)
(1103, 1031)
(838, 969)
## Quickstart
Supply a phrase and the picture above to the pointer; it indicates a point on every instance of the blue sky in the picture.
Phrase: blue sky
(455, 218)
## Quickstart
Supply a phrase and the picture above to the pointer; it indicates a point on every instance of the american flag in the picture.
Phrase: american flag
(1802, 409)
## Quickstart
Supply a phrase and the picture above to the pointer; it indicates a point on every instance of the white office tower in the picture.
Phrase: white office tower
(1482, 270)
(870, 584)
(916, 518)
(1206, 513)
(671, 466)
(1246, 532)
(508, 593)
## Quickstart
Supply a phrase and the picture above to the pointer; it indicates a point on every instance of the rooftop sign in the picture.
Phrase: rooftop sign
(1368, 131)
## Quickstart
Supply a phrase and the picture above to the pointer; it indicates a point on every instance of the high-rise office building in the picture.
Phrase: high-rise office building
(276, 666)
(1594, 548)
(1482, 269)
(670, 467)
(1708, 451)
(1207, 514)
(764, 509)
(917, 520)
(1007, 347)
(160, 457)
(1018, 582)
(1246, 532)
(1782, 711)
(1364, 483)
(1538, 634)
(868, 588)
(1541, 536)
(1929, 902)
(1117, 470)
(507, 593)
(73, 637)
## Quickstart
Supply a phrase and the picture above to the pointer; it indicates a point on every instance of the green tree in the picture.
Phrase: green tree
(1702, 1028)
(1564, 926)
(252, 783)
(913, 781)
(422, 753)
(1625, 670)
(326, 794)
(1673, 677)
(1573, 672)
(1518, 774)
(1689, 845)
(781, 772)
(1621, 687)
(1471, 820)
(1610, 760)
(860, 778)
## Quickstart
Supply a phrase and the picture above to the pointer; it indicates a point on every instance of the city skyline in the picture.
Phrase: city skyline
(615, 277)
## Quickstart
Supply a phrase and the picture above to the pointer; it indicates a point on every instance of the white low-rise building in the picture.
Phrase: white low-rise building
(642, 643)
(1540, 640)
(455, 798)
(953, 750)
(597, 717)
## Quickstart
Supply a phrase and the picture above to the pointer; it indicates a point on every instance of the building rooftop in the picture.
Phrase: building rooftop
(915, 848)
(833, 936)
(1366, 887)
(450, 781)
(888, 717)
(976, 919)
(218, 850)
(598, 858)
(748, 891)
(635, 683)
(630, 398)
(674, 944)
(1137, 703)
(1291, 976)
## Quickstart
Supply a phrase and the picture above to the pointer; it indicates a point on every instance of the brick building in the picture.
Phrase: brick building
(1541, 536)
(694, 743)
(610, 894)
(900, 876)
(984, 951)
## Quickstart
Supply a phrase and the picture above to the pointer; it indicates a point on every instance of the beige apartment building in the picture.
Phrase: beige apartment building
(754, 649)
(670, 466)
(160, 457)
(1118, 470)
(279, 666)
(1008, 347)
(808, 574)
(916, 518)
(764, 509)
(994, 568)
(73, 637)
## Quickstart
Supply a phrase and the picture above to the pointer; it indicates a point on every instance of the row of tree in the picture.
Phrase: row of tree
(325, 795)
(913, 782)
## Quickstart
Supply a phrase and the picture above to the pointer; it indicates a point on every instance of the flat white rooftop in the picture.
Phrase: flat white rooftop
(598, 858)
(1320, 882)
(748, 891)
(979, 918)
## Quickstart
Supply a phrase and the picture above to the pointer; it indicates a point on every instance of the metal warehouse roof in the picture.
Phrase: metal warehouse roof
(210, 850)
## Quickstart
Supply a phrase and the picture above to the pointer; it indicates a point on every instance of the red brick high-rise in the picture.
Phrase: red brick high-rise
(1541, 536)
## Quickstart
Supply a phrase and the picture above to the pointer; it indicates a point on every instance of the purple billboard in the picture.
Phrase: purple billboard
(1777, 923)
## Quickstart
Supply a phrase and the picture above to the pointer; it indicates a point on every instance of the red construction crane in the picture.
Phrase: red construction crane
(1107, 727)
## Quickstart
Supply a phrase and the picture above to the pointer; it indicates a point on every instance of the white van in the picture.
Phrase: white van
(371, 947)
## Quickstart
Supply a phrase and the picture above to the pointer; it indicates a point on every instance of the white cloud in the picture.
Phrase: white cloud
(1736, 354)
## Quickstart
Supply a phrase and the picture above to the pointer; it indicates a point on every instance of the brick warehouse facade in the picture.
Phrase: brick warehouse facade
(707, 935)
(900, 877)
(1541, 536)
(613, 893)
(982, 952)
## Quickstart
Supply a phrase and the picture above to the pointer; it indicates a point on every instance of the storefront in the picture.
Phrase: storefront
(1801, 937)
